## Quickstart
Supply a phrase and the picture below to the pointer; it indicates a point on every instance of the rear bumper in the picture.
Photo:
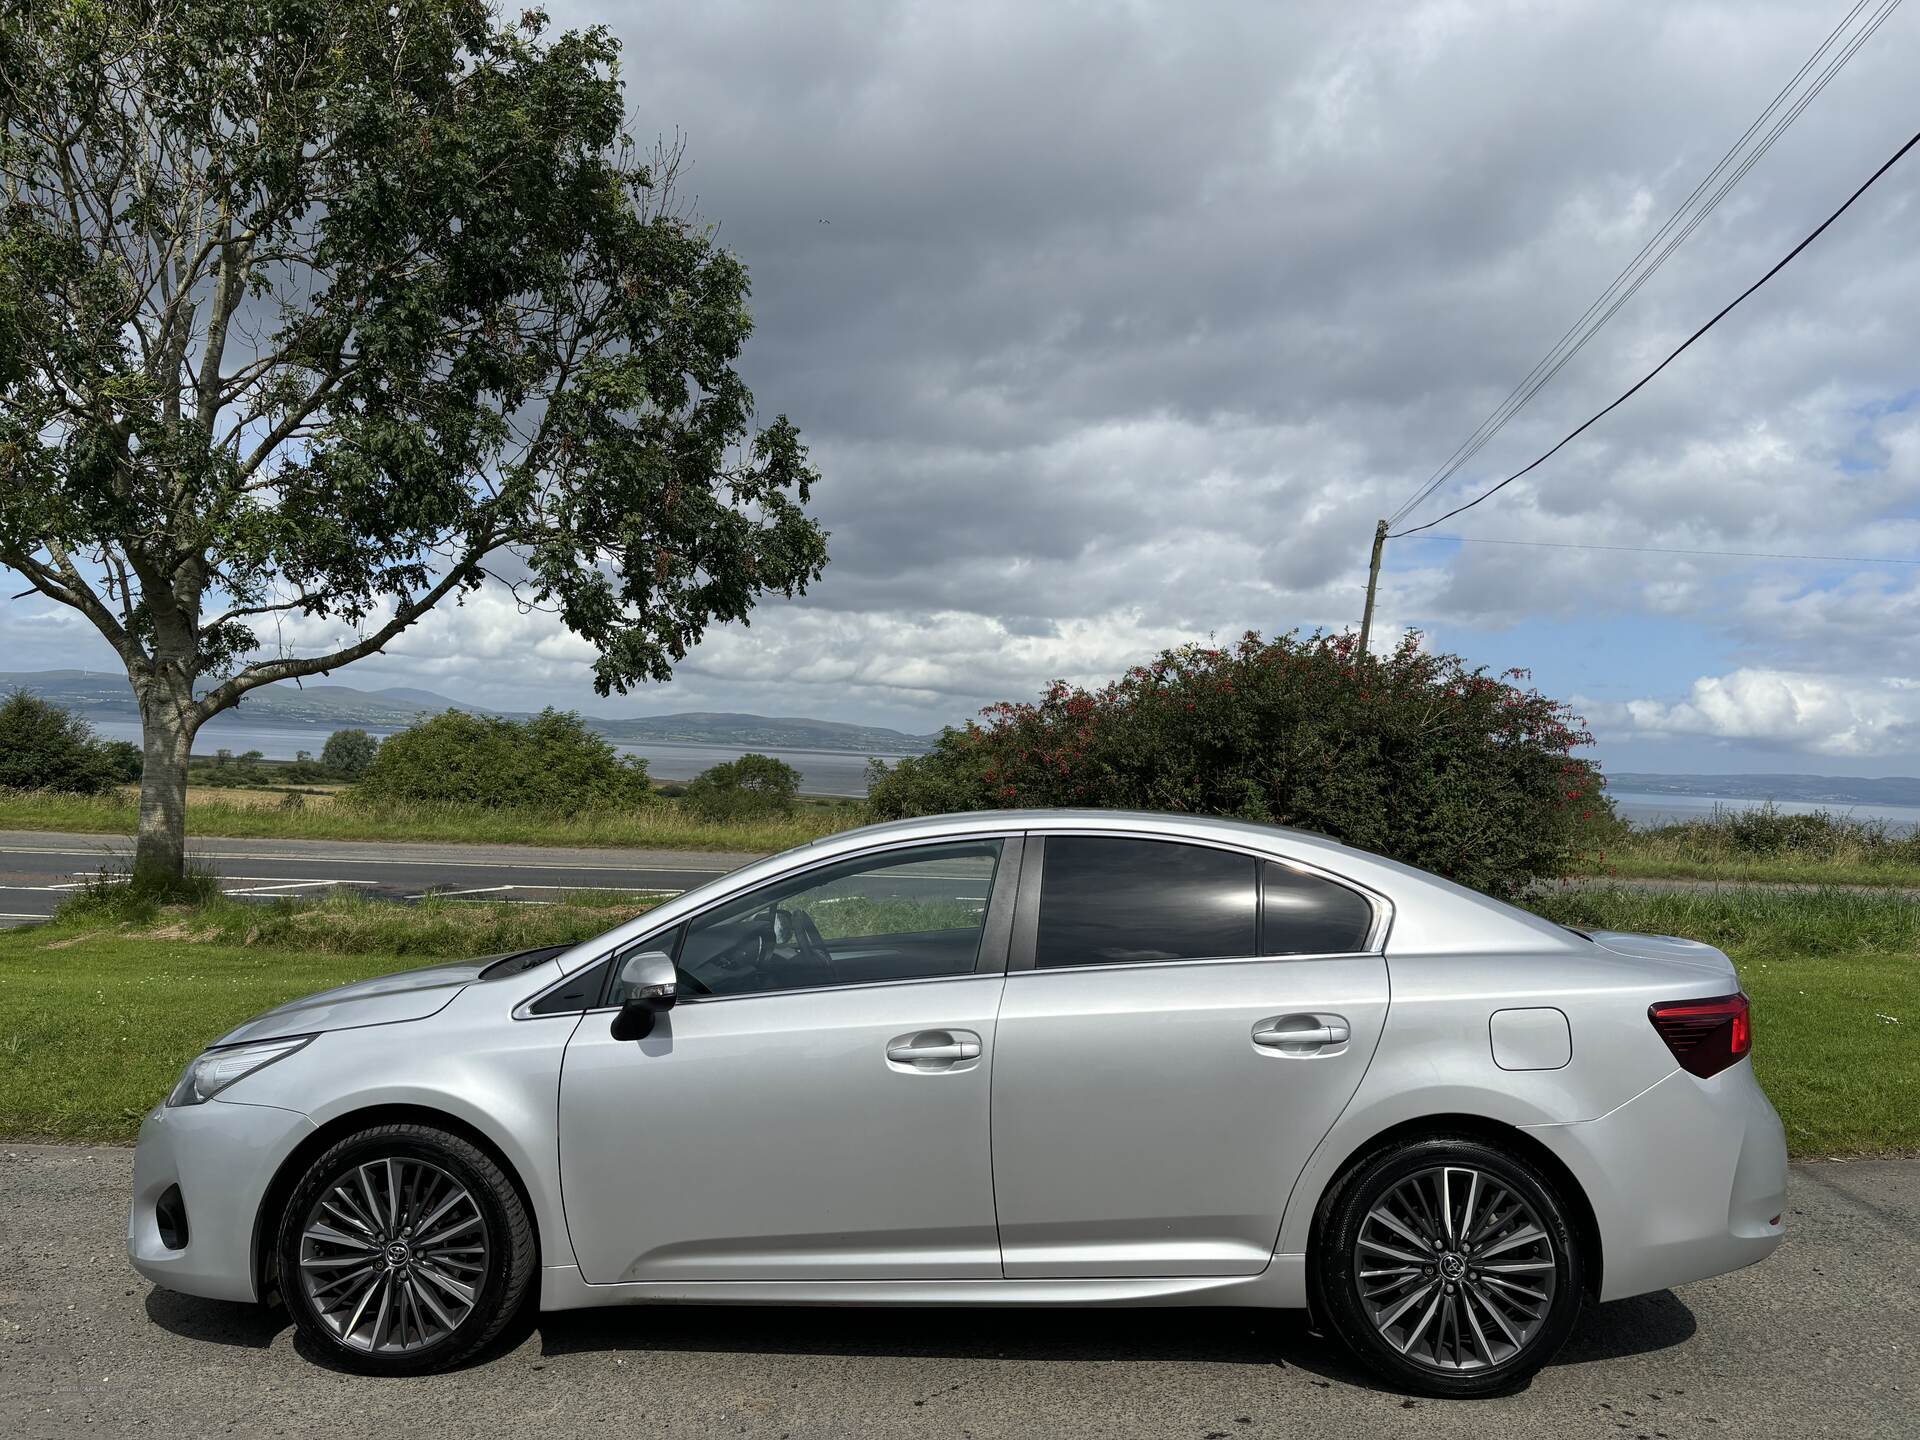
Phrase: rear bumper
(1686, 1180)
(222, 1155)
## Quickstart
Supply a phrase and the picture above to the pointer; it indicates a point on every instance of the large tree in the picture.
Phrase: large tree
(315, 313)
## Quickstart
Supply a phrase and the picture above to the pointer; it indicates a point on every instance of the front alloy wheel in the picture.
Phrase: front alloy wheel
(404, 1249)
(1449, 1267)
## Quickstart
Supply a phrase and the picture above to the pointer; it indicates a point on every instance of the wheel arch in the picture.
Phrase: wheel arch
(1497, 1133)
(324, 1136)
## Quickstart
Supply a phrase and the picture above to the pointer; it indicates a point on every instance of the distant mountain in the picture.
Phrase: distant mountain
(1839, 790)
(104, 695)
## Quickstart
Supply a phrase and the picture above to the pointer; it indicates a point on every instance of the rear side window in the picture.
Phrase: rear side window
(1106, 901)
(1303, 914)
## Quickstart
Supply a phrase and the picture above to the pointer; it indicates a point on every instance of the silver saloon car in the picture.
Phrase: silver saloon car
(1014, 1058)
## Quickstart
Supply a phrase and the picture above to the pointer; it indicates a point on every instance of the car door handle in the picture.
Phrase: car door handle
(950, 1050)
(1313, 1036)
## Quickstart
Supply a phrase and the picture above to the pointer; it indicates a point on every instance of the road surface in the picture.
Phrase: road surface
(39, 869)
(1821, 1340)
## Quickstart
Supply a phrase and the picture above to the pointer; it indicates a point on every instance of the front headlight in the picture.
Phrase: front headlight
(217, 1069)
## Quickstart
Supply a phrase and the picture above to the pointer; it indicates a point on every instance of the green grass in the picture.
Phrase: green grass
(1834, 976)
(661, 825)
(101, 1009)
(1821, 848)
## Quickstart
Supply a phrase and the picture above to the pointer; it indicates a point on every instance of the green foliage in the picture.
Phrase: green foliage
(1763, 844)
(43, 747)
(123, 760)
(749, 788)
(552, 763)
(318, 307)
(349, 753)
(1412, 755)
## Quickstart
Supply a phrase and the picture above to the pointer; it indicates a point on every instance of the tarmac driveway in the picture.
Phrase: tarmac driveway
(1821, 1340)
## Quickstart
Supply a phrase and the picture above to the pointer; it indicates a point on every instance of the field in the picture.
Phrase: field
(1823, 848)
(662, 825)
(101, 1009)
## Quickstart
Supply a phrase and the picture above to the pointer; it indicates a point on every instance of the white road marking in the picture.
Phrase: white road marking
(282, 885)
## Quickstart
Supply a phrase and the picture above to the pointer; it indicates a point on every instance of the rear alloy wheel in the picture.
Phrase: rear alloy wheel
(1449, 1267)
(404, 1249)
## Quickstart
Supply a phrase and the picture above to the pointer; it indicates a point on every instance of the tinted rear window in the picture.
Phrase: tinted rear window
(1107, 901)
(1302, 914)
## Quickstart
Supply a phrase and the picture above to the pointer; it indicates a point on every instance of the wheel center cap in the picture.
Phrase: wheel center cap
(1452, 1267)
(398, 1253)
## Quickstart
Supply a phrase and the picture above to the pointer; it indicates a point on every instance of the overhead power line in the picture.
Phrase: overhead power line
(1639, 384)
(1676, 550)
(1785, 107)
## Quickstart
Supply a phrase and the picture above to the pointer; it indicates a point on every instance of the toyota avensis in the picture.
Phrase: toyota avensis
(1045, 1058)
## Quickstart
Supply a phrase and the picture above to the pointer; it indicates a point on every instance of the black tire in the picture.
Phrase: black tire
(501, 1275)
(1483, 1361)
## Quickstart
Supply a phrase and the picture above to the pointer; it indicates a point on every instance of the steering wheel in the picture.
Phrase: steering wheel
(780, 942)
(807, 934)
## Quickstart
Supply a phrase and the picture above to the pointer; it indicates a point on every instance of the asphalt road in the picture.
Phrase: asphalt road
(39, 869)
(1820, 1340)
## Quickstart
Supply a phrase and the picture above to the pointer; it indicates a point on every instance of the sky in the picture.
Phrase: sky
(1116, 326)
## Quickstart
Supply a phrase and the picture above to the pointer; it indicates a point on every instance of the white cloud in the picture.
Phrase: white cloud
(1778, 708)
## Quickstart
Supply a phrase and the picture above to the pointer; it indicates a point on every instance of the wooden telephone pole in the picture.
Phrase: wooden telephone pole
(1373, 582)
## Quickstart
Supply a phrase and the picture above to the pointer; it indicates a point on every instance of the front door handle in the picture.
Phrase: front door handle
(1328, 1030)
(928, 1048)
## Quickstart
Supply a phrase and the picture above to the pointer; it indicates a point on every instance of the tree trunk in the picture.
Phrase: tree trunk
(167, 725)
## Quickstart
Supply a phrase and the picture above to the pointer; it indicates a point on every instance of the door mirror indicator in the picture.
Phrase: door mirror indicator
(648, 985)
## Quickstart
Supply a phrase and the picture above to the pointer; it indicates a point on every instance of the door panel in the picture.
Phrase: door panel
(1138, 1127)
(772, 1137)
(1150, 1118)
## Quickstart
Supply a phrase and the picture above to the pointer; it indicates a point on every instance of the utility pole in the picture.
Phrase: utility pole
(1373, 581)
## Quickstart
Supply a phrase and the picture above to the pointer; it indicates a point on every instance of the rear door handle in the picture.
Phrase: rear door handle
(929, 1048)
(1312, 1037)
(954, 1050)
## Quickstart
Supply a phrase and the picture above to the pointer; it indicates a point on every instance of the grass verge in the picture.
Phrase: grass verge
(100, 1010)
(662, 825)
(1765, 844)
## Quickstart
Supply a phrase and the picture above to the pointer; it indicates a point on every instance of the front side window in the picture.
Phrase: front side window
(1106, 901)
(902, 915)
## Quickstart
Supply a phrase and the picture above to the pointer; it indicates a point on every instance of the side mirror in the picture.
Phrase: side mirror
(650, 985)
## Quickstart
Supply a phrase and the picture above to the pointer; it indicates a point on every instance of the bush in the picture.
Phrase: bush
(349, 753)
(43, 747)
(750, 788)
(551, 762)
(1412, 755)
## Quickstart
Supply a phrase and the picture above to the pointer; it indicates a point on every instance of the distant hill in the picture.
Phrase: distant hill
(1836, 790)
(104, 695)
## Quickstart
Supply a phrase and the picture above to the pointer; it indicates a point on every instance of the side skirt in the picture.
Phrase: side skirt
(1281, 1286)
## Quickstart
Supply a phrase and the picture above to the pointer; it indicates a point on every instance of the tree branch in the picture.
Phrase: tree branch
(266, 672)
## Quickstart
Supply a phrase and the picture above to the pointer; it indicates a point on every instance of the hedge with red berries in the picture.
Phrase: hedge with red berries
(1413, 755)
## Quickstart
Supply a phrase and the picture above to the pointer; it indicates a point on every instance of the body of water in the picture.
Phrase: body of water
(1641, 809)
(840, 772)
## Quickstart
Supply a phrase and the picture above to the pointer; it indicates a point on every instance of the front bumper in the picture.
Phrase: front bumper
(222, 1155)
(1687, 1180)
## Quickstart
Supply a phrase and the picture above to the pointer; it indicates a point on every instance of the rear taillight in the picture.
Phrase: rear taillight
(1705, 1036)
